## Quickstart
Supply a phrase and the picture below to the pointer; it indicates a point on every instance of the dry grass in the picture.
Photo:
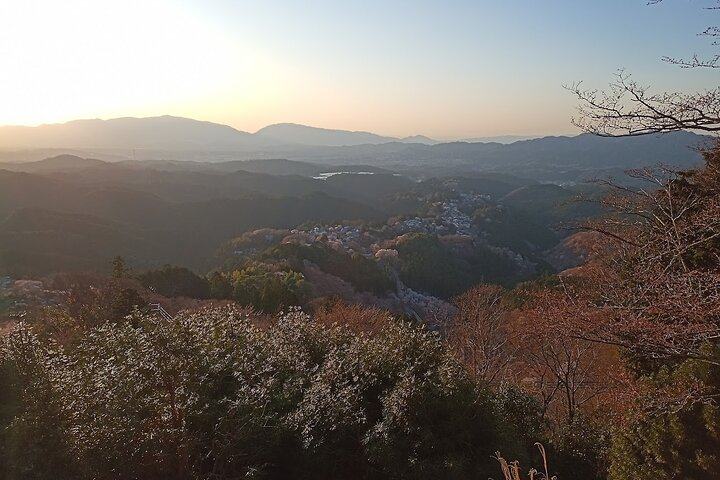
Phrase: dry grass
(511, 470)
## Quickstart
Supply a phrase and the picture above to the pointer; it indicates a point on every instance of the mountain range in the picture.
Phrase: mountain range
(292, 133)
(550, 159)
(72, 213)
(177, 133)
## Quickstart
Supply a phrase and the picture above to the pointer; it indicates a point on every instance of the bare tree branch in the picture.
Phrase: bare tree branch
(628, 108)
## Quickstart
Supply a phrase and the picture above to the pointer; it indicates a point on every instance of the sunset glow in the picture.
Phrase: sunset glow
(428, 67)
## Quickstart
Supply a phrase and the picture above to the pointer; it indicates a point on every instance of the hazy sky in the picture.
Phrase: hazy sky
(446, 69)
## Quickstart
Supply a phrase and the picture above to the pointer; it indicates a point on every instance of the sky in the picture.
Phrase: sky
(447, 69)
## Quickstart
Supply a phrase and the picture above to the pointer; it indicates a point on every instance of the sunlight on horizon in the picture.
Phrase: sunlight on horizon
(87, 59)
(448, 71)
(83, 59)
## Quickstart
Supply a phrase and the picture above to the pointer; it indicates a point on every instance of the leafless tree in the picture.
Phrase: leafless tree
(629, 108)
(479, 332)
(660, 290)
(567, 373)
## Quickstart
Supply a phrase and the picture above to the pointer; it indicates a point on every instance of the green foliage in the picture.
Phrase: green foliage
(220, 286)
(33, 442)
(9, 404)
(522, 420)
(211, 396)
(549, 204)
(673, 437)
(5, 303)
(362, 273)
(520, 231)
(119, 269)
(172, 281)
(113, 301)
(580, 450)
(266, 289)
(429, 266)
(124, 302)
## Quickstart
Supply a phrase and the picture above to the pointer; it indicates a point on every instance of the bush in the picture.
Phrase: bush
(210, 395)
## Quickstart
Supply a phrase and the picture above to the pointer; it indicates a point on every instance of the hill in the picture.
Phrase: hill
(171, 139)
(548, 159)
(166, 132)
(292, 133)
(305, 135)
(177, 134)
(58, 163)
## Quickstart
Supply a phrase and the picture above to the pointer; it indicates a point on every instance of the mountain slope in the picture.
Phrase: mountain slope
(80, 217)
(548, 159)
(59, 163)
(305, 135)
(177, 133)
(166, 132)
(293, 133)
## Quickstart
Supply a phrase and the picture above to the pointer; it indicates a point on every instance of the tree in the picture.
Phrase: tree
(172, 281)
(480, 332)
(660, 287)
(657, 295)
(570, 375)
(220, 286)
(676, 440)
(268, 289)
(629, 108)
(119, 269)
(210, 395)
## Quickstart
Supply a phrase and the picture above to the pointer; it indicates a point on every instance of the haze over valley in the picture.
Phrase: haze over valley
(359, 240)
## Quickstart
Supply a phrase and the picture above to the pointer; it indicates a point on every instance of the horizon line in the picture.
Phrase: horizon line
(439, 139)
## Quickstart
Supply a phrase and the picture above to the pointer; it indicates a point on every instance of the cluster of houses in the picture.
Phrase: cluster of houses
(449, 217)
(341, 237)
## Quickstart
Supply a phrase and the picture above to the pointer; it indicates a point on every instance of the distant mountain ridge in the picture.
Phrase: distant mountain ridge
(563, 159)
(166, 132)
(505, 139)
(178, 133)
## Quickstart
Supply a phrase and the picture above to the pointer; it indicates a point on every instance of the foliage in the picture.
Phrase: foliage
(522, 420)
(580, 449)
(508, 227)
(172, 281)
(267, 289)
(210, 395)
(363, 273)
(220, 286)
(429, 266)
(5, 303)
(656, 295)
(675, 429)
(92, 305)
(119, 269)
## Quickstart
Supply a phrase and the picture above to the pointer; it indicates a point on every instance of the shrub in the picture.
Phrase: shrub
(210, 395)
